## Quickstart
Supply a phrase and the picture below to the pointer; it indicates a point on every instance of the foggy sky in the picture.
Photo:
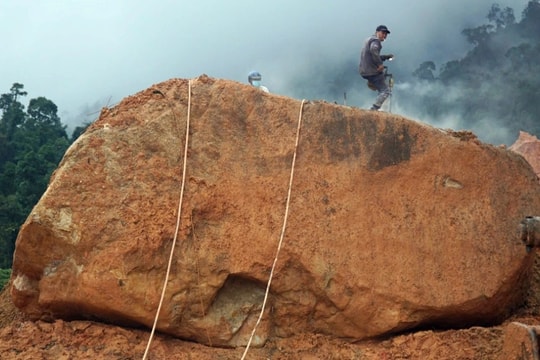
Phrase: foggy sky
(84, 54)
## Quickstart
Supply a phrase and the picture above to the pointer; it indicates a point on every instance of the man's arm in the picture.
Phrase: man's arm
(375, 50)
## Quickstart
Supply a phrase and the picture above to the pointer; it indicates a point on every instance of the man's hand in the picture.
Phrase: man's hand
(380, 68)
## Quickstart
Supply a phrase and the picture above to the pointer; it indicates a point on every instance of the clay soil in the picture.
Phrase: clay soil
(21, 338)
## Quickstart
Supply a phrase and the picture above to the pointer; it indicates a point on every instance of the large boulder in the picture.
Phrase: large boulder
(392, 224)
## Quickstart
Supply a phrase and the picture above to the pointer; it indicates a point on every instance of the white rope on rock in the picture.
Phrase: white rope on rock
(535, 348)
(177, 225)
(282, 233)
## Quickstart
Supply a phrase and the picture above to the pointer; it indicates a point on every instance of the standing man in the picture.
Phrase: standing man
(371, 65)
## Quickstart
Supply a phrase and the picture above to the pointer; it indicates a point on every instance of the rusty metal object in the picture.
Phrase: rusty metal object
(530, 231)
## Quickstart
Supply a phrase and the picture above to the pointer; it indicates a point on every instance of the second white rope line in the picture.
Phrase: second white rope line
(282, 233)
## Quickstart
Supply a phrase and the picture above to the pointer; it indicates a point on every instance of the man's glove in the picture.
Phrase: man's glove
(386, 57)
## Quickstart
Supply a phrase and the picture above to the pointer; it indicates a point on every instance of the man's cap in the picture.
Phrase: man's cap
(254, 75)
(383, 28)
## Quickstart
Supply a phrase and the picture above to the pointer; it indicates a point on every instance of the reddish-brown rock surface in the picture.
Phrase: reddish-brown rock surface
(21, 339)
(529, 146)
(392, 224)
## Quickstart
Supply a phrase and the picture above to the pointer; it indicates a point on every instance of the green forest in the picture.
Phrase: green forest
(499, 79)
(32, 143)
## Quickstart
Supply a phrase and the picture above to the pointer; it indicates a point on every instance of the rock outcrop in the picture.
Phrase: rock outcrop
(391, 224)
(529, 147)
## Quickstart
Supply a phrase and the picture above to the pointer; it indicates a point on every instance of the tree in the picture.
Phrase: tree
(478, 36)
(79, 130)
(524, 57)
(44, 120)
(11, 215)
(35, 142)
(450, 71)
(425, 71)
(501, 18)
(498, 79)
(4, 277)
(13, 117)
(530, 23)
